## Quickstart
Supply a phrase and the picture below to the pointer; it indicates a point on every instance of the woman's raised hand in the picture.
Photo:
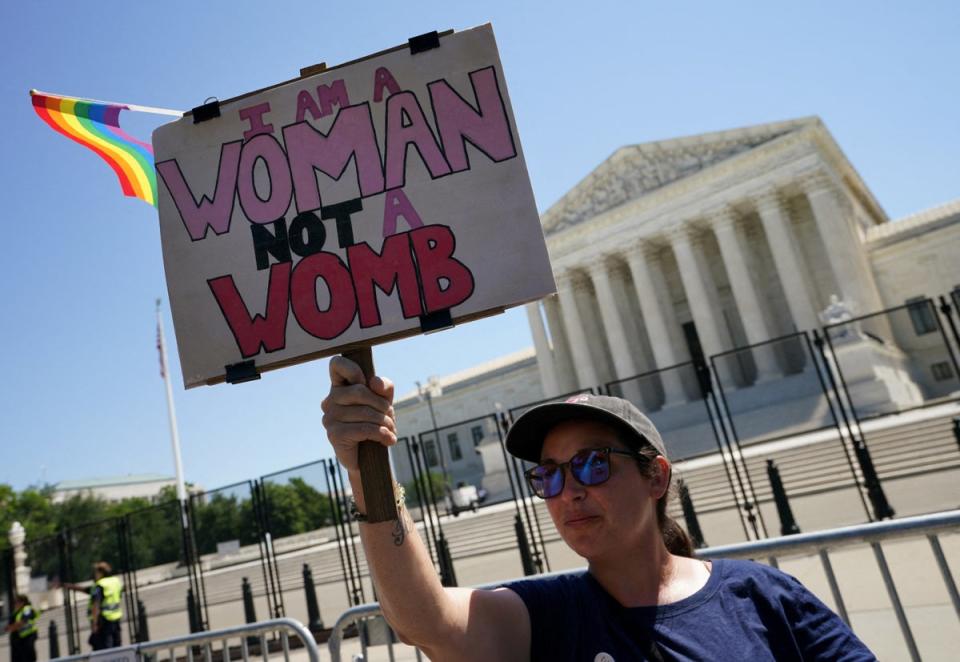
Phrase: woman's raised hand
(357, 410)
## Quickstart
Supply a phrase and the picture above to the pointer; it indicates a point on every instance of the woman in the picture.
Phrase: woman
(23, 630)
(602, 468)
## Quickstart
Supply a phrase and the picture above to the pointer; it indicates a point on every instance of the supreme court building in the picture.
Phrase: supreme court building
(696, 246)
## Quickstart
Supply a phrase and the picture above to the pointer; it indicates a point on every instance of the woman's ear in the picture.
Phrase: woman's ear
(660, 480)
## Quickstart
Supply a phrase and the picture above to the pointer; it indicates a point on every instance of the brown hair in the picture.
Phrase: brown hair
(675, 538)
(103, 568)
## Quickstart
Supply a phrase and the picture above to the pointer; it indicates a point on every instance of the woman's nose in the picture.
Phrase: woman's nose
(572, 489)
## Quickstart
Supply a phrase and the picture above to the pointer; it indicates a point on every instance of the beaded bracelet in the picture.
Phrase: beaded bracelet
(398, 491)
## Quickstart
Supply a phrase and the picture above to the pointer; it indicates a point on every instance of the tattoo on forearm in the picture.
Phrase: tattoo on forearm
(399, 532)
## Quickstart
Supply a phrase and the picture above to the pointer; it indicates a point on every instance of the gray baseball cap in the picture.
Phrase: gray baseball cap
(526, 435)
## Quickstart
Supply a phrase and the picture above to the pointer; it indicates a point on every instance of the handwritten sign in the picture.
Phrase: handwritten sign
(348, 208)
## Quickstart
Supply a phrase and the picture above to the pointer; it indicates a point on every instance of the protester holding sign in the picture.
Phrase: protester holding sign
(376, 200)
(643, 595)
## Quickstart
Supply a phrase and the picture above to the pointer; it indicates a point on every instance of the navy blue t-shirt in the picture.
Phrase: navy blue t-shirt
(746, 611)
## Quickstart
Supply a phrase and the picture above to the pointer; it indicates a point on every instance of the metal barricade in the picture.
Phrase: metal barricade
(818, 543)
(216, 644)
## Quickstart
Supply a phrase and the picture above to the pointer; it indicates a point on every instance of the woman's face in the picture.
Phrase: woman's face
(601, 520)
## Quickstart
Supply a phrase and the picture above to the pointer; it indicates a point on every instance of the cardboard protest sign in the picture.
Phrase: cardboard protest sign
(366, 203)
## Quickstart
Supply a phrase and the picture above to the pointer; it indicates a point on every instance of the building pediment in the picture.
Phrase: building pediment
(636, 170)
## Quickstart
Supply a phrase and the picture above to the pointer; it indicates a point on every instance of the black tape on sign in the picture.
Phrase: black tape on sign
(436, 321)
(244, 371)
(206, 112)
(424, 42)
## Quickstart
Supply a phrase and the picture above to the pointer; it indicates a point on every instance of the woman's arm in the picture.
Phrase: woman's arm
(446, 623)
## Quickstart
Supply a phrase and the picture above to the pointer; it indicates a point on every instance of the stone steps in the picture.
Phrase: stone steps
(897, 451)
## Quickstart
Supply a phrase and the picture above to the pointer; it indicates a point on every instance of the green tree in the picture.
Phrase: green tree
(435, 485)
(296, 507)
(92, 530)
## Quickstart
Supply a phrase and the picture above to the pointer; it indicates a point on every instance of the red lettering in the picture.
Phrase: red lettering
(342, 306)
(252, 333)
(392, 268)
(446, 281)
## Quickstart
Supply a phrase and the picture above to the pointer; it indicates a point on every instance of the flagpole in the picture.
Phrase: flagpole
(129, 106)
(171, 412)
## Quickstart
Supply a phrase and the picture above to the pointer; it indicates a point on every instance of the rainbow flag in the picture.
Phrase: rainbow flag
(95, 125)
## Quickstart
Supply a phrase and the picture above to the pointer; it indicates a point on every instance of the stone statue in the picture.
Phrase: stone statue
(21, 571)
(838, 312)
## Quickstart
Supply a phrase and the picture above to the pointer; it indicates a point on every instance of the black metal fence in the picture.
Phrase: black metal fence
(278, 539)
(305, 509)
(894, 360)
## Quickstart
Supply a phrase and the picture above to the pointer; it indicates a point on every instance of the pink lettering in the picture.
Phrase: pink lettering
(407, 126)
(457, 121)
(397, 204)
(306, 103)
(254, 115)
(214, 213)
(255, 208)
(383, 79)
(351, 137)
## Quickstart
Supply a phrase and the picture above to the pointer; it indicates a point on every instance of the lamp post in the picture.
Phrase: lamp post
(432, 390)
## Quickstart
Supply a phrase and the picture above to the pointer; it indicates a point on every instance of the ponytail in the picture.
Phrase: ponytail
(674, 537)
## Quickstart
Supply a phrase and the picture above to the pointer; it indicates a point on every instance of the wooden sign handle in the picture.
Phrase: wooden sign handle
(381, 504)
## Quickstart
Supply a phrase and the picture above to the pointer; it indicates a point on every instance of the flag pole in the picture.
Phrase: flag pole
(128, 106)
(187, 540)
(171, 412)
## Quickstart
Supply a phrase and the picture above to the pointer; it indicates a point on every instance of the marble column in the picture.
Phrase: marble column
(837, 238)
(749, 306)
(658, 318)
(624, 364)
(564, 371)
(582, 362)
(545, 363)
(700, 299)
(790, 269)
(848, 258)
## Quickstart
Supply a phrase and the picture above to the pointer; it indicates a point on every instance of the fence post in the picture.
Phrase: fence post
(447, 575)
(143, 633)
(192, 615)
(315, 623)
(788, 525)
(945, 308)
(871, 481)
(956, 430)
(54, 638)
(690, 515)
(249, 609)
(73, 643)
(525, 559)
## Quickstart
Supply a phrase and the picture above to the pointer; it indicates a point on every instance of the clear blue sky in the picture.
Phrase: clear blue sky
(80, 393)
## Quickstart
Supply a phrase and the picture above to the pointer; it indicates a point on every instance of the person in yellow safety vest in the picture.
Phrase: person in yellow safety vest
(23, 630)
(105, 607)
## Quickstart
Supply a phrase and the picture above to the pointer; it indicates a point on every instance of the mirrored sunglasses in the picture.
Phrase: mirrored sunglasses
(590, 466)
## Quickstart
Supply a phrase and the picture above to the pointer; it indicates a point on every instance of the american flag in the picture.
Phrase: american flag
(160, 349)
